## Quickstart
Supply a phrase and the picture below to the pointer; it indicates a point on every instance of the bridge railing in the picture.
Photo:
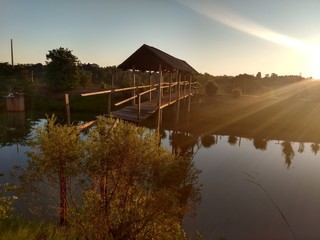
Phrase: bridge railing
(180, 85)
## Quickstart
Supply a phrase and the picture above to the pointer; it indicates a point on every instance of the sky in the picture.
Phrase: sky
(219, 37)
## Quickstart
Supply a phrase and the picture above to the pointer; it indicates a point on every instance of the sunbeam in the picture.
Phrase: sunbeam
(240, 23)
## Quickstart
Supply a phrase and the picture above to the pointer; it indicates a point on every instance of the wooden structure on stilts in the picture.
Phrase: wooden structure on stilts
(158, 95)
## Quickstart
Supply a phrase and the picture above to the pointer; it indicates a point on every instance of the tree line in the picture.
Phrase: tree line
(64, 71)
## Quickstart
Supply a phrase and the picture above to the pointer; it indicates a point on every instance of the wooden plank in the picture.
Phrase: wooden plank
(85, 125)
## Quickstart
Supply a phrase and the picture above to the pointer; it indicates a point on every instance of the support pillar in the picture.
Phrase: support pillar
(170, 87)
(189, 97)
(134, 85)
(68, 109)
(109, 94)
(150, 94)
(159, 100)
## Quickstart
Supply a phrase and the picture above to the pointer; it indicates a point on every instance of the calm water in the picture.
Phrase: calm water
(247, 183)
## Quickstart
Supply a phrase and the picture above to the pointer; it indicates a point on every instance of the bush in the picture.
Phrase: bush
(236, 92)
(139, 190)
(211, 88)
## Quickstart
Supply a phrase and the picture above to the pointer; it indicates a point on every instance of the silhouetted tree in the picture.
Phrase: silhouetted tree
(258, 76)
(62, 69)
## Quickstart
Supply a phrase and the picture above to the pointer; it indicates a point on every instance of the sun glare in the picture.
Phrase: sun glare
(311, 65)
(314, 65)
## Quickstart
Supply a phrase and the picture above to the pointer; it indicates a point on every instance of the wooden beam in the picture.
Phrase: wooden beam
(66, 96)
(85, 125)
(126, 100)
(134, 85)
(115, 90)
(170, 86)
(139, 106)
(159, 100)
(150, 94)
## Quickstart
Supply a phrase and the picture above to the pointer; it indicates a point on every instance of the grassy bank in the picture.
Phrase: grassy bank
(43, 100)
(17, 229)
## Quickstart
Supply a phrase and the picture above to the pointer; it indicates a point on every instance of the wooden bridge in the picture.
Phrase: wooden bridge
(151, 100)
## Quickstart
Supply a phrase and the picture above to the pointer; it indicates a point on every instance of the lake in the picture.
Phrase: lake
(252, 188)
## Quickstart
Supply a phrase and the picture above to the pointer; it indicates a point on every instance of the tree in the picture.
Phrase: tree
(55, 156)
(138, 189)
(85, 78)
(258, 76)
(211, 88)
(62, 70)
(131, 187)
(6, 201)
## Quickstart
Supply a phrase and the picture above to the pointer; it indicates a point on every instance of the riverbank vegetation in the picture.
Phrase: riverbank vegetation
(114, 182)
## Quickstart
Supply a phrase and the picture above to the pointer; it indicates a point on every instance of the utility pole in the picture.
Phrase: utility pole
(12, 54)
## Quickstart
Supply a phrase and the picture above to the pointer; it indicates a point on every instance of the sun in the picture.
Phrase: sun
(314, 65)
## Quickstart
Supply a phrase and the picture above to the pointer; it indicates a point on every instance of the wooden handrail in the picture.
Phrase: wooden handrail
(126, 100)
(133, 97)
(170, 103)
(116, 90)
(150, 90)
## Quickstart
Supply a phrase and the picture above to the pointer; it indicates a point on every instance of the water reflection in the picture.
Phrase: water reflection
(208, 141)
(232, 140)
(14, 128)
(260, 144)
(189, 144)
(301, 147)
(230, 205)
(288, 152)
(191, 133)
(315, 148)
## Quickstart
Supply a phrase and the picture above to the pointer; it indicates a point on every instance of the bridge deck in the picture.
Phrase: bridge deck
(130, 113)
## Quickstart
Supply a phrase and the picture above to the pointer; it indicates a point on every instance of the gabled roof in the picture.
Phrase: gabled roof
(148, 58)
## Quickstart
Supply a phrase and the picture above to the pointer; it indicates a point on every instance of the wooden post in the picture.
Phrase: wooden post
(68, 109)
(179, 77)
(139, 107)
(189, 98)
(170, 87)
(159, 86)
(109, 94)
(134, 84)
(150, 94)
(177, 109)
(159, 100)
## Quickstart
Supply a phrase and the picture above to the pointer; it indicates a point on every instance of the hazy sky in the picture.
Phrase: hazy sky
(214, 36)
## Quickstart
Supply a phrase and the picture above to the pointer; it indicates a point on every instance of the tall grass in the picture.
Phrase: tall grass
(17, 229)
